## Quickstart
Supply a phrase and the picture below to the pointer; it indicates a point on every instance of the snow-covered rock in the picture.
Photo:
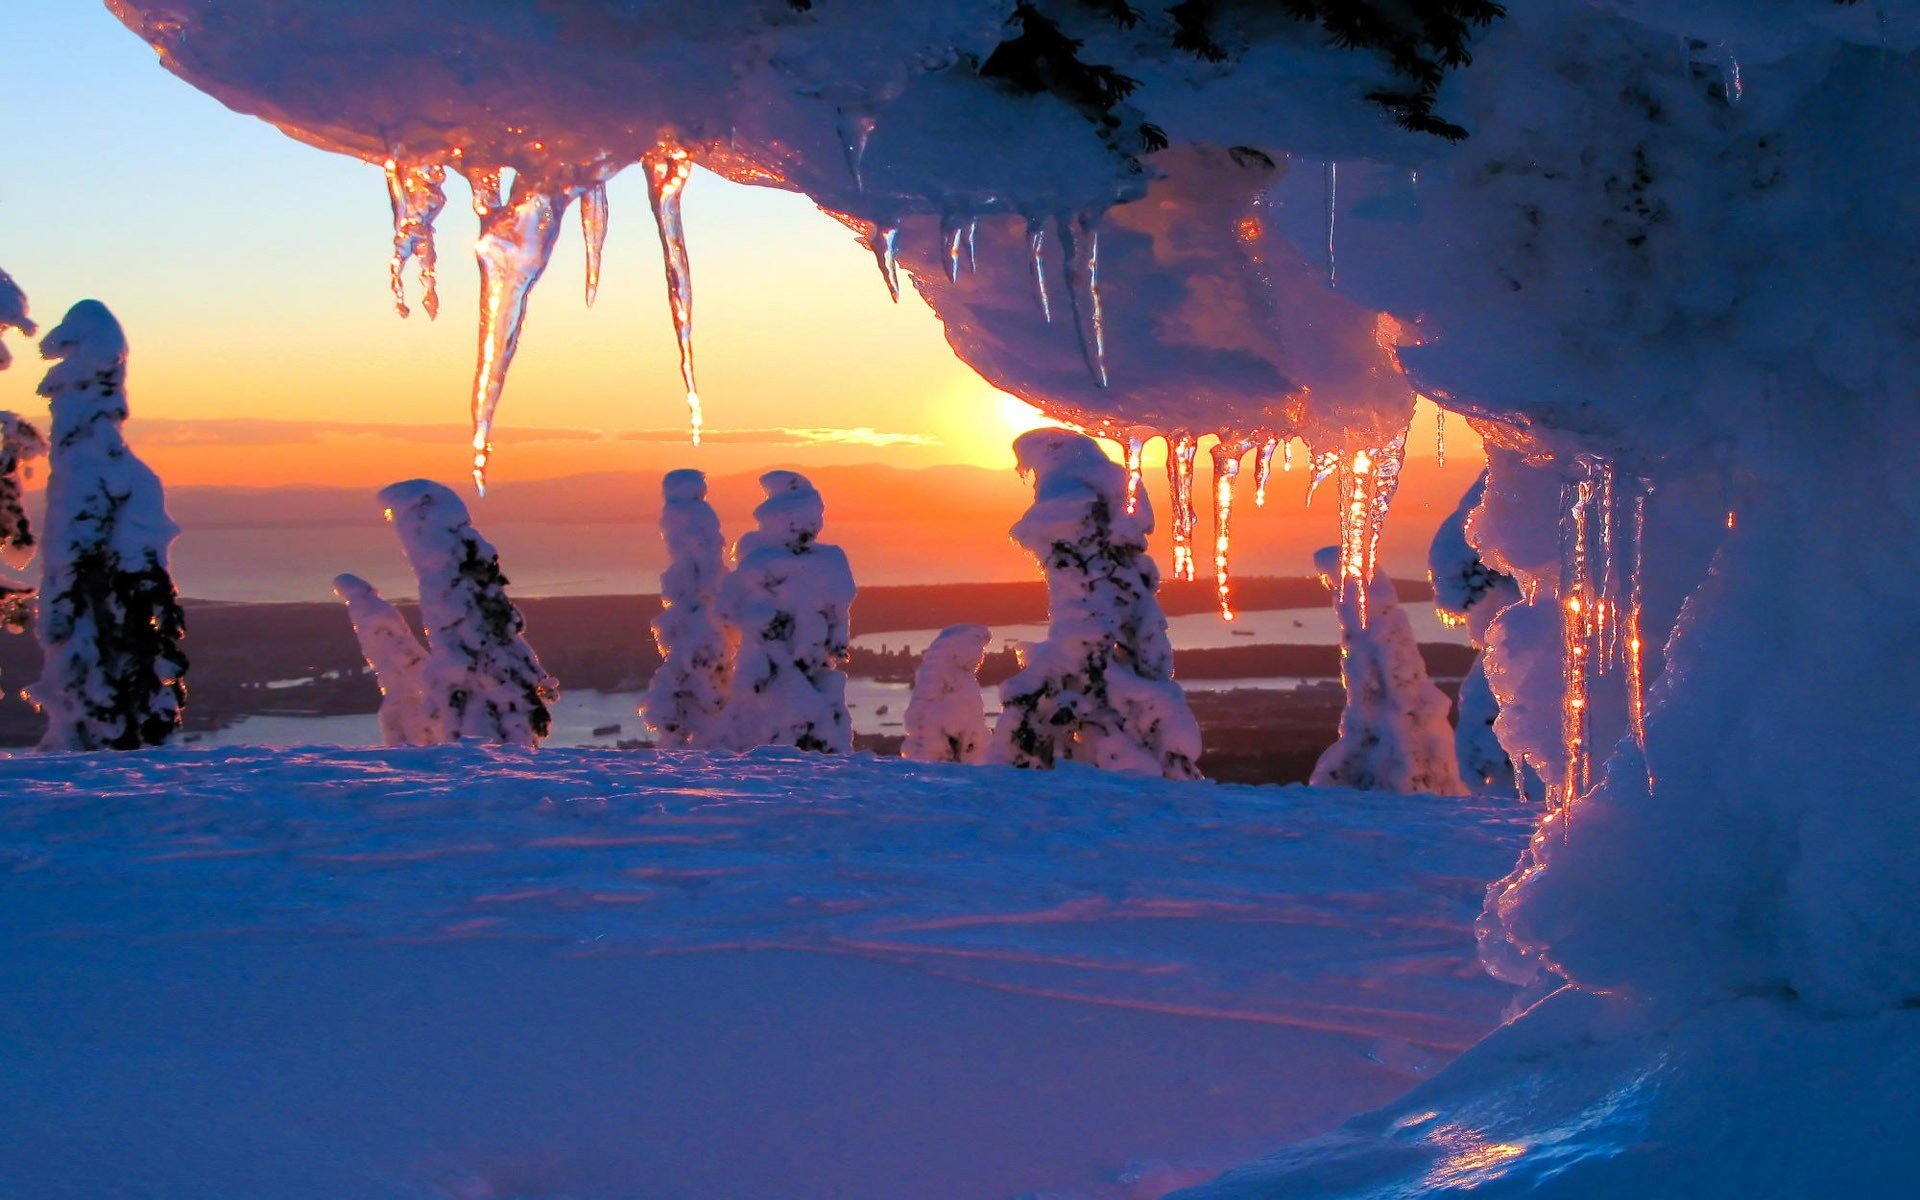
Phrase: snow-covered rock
(108, 619)
(946, 716)
(398, 661)
(687, 696)
(481, 678)
(1100, 688)
(786, 606)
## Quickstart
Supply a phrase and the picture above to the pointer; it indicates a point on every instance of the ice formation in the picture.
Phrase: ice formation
(786, 605)
(1469, 593)
(947, 718)
(108, 619)
(398, 661)
(1620, 275)
(686, 698)
(481, 679)
(1100, 688)
(1394, 735)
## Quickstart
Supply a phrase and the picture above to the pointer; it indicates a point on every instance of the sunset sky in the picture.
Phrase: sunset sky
(250, 272)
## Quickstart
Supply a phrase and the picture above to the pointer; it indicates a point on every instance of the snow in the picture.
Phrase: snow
(1468, 593)
(399, 663)
(464, 971)
(946, 720)
(1394, 734)
(785, 606)
(687, 695)
(13, 315)
(481, 678)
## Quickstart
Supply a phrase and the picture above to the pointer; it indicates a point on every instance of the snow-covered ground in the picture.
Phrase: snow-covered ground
(467, 974)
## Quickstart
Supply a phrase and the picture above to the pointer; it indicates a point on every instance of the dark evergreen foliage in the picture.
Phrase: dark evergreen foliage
(134, 617)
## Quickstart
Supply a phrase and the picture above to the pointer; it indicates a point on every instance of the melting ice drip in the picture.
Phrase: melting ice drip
(1227, 453)
(667, 168)
(1368, 481)
(1602, 529)
(418, 193)
(1182, 449)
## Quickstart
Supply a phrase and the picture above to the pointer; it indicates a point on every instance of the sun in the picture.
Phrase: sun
(979, 422)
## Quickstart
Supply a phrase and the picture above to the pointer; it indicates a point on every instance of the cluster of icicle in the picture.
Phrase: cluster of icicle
(1602, 527)
(1368, 479)
(519, 227)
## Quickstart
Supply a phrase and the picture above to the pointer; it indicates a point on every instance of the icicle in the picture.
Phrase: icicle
(1440, 435)
(1368, 482)
(484, 183)
(1080, 247)
(1635, 651)
(1136, 443)
(417, 192)
(951, 231)
(1321, 468)
(1227, 453)
(1286, 455)
(855, 130)
(516, 243)
(1182, 449)
(1262, 469)
(884, 243)
(667, 168)
(593, 228)
(1333, 189)
(1577, 604)
(1037, 251)
(973, 228)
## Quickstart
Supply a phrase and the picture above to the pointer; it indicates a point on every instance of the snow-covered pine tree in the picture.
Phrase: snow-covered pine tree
(946, 719)
(686, 699)
(13, 315)
(1100, 688)
(20, 444)
(398, 660)
(787, 603)
(109, 620)
(1394, 735)
(1466, 591)
(481, 680)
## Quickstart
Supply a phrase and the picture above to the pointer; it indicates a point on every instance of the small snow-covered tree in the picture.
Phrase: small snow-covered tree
(20, 444)
(1100, 688)
(787, 603)
(109, 619)
(13, 315)
(687, 696)
(398, 660)
(481, 679)
(1466, 591)
(946, 719)
(1394, 735)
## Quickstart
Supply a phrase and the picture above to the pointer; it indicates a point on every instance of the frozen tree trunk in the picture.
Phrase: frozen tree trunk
(946, 718)
(481, 679)
(787, 603)
(686, 699)
(109, 620)
(20, 444)
(398, 660)
(1394, 735)
(1467, 592)
(1100, 688)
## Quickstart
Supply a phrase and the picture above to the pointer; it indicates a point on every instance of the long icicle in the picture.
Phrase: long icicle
(1037, 252)
(856, 128)
(1440, 435)
(952, 229)
(417, 192)
(884, 242)
(1182, 449)
(1080, 247)
(1263, 470)
(1368, 482)
(1136, 443)
(667, 168)
(1333, 213)
(1576, 604)
(1639, 491)
(515, 244)
(1227, 453)
(1320, 468)
(593, 230)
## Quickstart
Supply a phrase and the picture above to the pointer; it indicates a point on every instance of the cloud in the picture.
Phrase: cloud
(249, 431)
(862, 436)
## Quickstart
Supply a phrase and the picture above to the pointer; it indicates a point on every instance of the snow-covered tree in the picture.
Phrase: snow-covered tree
(946, 719)
(1468, 592)
(786, 603)
(686, 699)
(13, 315)
(481, 679)
(20, 444)
(109, 620)
(1100, 688)
(398, 660)
(1394, 735)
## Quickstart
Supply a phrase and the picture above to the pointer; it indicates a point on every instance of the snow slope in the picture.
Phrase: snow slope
(454, 973)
